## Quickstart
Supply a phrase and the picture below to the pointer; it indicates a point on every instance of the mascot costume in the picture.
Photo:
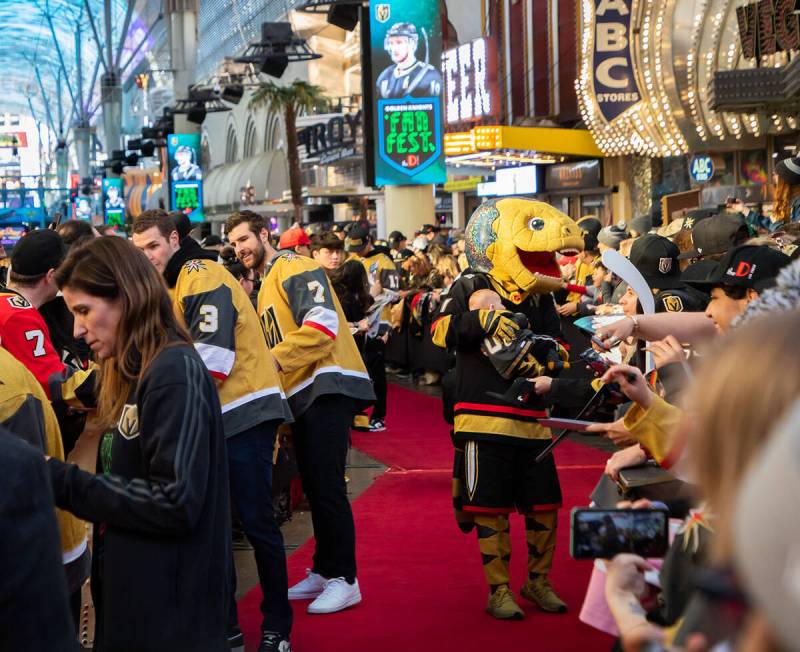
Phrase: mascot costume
(511, 247)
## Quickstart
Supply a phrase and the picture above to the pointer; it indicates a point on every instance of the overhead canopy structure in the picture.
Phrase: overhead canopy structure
(38, 47)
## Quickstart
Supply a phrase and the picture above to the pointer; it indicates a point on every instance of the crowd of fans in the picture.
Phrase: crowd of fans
(116, 336)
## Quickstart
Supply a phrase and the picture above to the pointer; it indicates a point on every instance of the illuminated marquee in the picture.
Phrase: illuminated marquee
(470, 82)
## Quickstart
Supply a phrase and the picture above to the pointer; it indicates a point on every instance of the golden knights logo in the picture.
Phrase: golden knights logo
(673, 304)
(383, 12)
(128, 425)
(272, 331)
(17, 301)
(194, 266)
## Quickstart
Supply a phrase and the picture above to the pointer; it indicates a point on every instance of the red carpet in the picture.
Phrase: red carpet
(421, 578)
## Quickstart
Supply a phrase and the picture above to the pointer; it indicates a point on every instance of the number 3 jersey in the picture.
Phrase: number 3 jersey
(308, 335)
(226, 333)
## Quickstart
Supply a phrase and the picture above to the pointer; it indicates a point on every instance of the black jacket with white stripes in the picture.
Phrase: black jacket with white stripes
(161, 511)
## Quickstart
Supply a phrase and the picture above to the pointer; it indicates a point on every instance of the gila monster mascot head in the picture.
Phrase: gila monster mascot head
(515, 241)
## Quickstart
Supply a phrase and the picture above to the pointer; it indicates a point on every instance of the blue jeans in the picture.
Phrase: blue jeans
(250, 466)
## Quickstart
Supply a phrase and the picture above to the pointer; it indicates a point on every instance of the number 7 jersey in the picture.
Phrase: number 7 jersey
(307, 333)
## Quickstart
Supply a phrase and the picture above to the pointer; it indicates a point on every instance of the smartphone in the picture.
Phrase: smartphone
(603, 533)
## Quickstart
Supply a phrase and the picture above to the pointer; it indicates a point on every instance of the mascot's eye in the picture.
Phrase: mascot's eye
(536, 224)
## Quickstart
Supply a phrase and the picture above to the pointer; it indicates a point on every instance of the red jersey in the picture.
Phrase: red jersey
(24, 334)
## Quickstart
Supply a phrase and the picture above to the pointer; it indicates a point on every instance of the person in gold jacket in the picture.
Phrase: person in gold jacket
(26, 412)
(326, 383)
(224, 326)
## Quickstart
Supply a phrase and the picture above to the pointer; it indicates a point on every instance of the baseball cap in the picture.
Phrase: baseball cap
(37, 253)
(768, 566)
(396, 237)
(749, 266)
(430, 228)
(789, 170)
(697, 215)
(698, 272)
(293, 237)
(716, 235)
(357, 238)
(656, 258)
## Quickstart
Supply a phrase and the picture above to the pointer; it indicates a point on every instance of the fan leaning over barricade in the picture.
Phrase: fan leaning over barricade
(511, 246)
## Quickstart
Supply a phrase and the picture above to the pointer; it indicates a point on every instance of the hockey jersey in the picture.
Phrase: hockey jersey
(226, 333)
(380, 268)
(479, 414)
(26, 412)
(24, 334)
(307, 332)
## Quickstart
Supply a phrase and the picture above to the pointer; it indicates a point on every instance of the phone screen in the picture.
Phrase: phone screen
(603, 533)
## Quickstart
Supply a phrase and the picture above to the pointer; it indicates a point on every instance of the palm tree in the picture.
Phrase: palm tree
(297, 97)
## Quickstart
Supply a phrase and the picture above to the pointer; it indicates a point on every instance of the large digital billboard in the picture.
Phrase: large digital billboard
(407, 82)
(185, 175)
(113, 203)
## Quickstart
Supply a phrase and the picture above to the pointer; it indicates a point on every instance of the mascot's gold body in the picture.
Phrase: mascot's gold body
(511, 248)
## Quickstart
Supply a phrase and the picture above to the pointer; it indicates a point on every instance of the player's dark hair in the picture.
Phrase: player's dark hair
(24, 280)
(154, 217)
(254, 221)
(74, 232)
(351, 284)
(326, 240)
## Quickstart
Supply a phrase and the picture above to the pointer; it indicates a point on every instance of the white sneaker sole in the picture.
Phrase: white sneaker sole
(351, 602)
(304, 595)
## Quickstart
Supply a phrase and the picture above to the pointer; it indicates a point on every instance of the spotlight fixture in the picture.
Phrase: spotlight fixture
(278, 47)
(131, 159)
(134, 144)
(232, 94)
(196, 114)
(148, 148)
(341, 13)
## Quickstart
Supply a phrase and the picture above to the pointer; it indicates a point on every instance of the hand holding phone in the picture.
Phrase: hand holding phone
(604, 533)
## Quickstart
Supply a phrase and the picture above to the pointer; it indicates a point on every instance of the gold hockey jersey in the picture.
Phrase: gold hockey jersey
(226, 333)
(26, 413)
(308, 335)
(382, 269)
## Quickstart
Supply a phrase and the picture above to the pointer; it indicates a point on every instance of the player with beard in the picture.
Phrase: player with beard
(326, 383)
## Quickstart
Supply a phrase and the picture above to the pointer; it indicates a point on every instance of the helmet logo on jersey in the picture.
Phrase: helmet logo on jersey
(17, 301)
(272, 330)
(195, 266)
(383, 12)
(128, 425)
(673, 304)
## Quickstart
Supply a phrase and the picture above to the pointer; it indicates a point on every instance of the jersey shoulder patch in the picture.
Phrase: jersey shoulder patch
(673, 303)
(16, 301)
(194, 266)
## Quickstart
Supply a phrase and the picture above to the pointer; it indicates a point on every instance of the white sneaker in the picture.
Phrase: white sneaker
(309, 588)
(337, 595)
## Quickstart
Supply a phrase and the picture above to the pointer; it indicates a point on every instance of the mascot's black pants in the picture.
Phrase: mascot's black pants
(491, 479)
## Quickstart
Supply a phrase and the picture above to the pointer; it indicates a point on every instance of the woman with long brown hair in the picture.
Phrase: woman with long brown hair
(159, 500)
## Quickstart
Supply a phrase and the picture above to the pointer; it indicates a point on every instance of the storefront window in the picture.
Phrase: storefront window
(753, 167)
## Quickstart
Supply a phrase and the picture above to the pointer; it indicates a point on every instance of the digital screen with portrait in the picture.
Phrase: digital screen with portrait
(407, 84)
(185, 175)
(113, 202)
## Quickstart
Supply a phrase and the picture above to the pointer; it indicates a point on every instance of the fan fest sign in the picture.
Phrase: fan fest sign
(406, 50)
(615, 86)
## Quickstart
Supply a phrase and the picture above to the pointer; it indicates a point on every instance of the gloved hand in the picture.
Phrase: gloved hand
(530, 367)
(498, 323)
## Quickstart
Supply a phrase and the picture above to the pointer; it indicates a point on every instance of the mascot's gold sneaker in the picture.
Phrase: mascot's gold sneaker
(541, 593)
(502, 605)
